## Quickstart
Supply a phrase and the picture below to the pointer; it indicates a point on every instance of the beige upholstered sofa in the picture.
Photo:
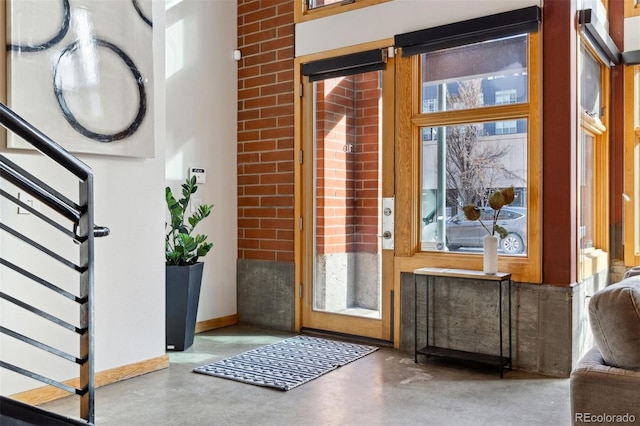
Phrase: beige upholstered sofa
(605, 385)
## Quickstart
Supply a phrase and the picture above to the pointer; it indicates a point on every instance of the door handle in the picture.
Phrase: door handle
(385, 234)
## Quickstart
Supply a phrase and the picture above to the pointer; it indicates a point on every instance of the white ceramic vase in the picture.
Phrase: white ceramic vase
(490, 254)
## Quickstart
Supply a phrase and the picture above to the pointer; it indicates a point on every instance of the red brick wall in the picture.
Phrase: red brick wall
(369, 182)
(266, 151)
(335, 196)
(265, 130)
(348, 184)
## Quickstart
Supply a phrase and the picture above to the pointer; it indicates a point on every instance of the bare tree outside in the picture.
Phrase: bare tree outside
(472, 167)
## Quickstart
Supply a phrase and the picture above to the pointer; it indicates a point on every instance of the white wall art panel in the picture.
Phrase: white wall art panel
(81, 71)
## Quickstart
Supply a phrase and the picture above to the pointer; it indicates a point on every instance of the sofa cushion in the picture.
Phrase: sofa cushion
(614, 313)
(632, 272)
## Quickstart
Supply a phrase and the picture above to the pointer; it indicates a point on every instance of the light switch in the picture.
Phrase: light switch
(199, 172)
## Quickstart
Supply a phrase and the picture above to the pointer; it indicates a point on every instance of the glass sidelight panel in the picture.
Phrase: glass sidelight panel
(347, 195)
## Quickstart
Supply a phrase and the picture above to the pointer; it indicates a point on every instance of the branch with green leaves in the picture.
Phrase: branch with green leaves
(181, 246)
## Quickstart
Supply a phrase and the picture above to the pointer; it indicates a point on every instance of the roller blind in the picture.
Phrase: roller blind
(598, 37)
(340, 66)
(476, 30)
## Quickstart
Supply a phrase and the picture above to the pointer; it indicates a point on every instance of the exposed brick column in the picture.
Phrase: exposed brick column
(265, 130)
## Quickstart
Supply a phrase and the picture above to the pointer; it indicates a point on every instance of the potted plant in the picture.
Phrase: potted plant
(497, 201)
(183, 249)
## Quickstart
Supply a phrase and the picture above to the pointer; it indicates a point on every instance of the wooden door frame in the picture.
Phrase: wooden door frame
(303, 206)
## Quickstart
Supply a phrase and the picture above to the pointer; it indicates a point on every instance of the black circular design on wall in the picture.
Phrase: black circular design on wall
(64, 28)
(136, 5)
(68, 115)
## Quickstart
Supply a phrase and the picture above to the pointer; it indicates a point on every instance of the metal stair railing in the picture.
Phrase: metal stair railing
(76, 221)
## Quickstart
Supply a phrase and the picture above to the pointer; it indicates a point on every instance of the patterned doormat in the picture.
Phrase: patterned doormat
(287, 364)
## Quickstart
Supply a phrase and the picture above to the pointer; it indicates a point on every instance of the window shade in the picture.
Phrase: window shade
(598, 37)
(631, 57)
(500, 25)
(340, 66)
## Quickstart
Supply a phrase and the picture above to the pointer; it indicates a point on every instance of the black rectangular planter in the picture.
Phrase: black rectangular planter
(182, 297)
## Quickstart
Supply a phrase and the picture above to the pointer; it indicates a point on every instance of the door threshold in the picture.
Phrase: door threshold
(344, 336)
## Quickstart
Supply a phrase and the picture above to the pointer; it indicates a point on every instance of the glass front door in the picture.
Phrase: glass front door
(345, 255)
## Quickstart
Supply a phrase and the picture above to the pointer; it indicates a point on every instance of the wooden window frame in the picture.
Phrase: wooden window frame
(596, 259)
(631, 8)
(632, 167)
(302, 13)
(527, 268)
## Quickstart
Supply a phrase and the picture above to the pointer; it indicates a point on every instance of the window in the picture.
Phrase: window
(631, 194)
(314, 4)
(468, 124)
(506, 127)
(472, 159)
(430, 105)
(632, 174)
(593, 179)
(587, 223)
(504, 97)
(311, 9)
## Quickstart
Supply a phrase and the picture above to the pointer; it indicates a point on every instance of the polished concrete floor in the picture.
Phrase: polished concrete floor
(384, 388)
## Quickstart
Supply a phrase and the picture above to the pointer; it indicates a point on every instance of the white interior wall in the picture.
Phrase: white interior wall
(201, 129)
(385, 20)
(195, 124)
(129, 280)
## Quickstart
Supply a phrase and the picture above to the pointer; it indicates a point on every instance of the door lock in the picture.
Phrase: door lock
(387, 223)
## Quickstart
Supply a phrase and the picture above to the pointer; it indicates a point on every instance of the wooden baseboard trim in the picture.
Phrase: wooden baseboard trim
(214, 323)
(50, 393)
(45, 394)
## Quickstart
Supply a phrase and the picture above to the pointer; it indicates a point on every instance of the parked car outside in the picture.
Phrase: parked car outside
(461, 232)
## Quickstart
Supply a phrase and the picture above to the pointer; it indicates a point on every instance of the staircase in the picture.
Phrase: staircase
(73, 222)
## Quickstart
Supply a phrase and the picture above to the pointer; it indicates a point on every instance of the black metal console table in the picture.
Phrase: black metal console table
(431, 350)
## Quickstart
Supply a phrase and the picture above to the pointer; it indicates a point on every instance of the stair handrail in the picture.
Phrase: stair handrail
(30, 134)
(84, 231)
(36, 188)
